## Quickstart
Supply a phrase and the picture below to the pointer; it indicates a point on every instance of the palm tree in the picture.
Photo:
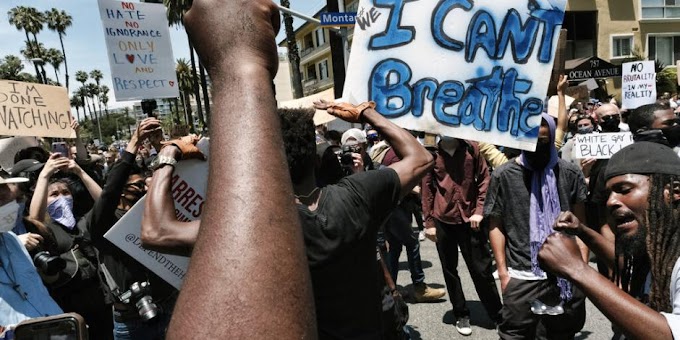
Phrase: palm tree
(82, 93)
(175, 13)
(77, 103)
(104, 97)
(54, 57)
(293, 53)
(97, 76)
(30, 20)
(82, 77)
(185, 83)
(93, 91)
(59, 21)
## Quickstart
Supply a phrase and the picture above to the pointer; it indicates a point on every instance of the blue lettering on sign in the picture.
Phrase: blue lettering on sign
(487, 99)
(437, 27)
(481, 33)
(522, 36)
(394, 35)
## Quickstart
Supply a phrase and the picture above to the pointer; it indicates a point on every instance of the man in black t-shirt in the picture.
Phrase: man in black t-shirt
(340, 222)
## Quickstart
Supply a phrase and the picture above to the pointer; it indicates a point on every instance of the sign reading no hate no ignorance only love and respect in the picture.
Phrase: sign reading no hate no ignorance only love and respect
(476, 70)
(140, 53)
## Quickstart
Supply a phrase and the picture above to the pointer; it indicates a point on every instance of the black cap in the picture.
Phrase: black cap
(643, 158)
(25, 165)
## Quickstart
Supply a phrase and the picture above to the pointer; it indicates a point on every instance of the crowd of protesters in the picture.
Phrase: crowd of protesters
(312, 249)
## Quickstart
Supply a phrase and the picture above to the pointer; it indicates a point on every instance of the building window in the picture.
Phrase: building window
(309, 41)
(660, 9)
(323, 70)
(311, 72)
(664, 48)
(320, 37)
(622, 46)
(581, 29)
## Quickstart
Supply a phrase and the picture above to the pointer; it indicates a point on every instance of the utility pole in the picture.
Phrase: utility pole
(337, 50)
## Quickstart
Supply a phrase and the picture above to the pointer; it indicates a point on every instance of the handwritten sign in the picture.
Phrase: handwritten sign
(140, 53)
(189, 184)
(601, 145)
(29, 109)
(476, 70)
(638, 84)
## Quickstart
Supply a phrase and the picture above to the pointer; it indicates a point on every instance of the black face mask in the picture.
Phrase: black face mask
(610, 124)
(672, 134)
(539, 158)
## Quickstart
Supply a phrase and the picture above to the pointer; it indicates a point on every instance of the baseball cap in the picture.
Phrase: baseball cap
(25, 165)
(355, 133)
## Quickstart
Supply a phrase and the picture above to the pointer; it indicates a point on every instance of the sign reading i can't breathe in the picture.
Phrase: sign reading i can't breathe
(638, 84)
(476, 70)
(140, 53)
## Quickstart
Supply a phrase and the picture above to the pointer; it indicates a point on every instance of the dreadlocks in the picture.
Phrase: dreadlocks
(663, 240)
(663, 248)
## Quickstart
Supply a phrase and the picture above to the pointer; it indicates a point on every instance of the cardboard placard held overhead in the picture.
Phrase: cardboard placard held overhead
(189, 183)
(600, 145)
(638, 84)
(29, 109)
(475, 70)
(140, 53)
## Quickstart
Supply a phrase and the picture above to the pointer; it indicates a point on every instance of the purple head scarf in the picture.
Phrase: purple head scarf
(544, 206)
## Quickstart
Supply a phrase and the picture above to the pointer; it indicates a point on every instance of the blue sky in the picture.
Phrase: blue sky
(84, 41)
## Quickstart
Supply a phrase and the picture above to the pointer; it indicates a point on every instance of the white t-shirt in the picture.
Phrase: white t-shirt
(673, 319)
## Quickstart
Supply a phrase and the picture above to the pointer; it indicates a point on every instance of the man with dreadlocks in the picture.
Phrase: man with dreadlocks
(644, 179)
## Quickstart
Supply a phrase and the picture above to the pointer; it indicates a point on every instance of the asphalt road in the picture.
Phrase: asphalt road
(435, 320)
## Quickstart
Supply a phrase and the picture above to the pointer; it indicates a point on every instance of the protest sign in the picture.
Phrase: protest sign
(189, 184)
(600, 145)
(474, 70)
(29, 109)
(10, 146)
(140, 53)
(638, 84)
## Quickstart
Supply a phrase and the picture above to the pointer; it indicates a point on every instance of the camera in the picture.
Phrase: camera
(48, 264)
(346, 155)
(141, 292)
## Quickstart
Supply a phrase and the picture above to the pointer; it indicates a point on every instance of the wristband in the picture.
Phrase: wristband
(161, 161)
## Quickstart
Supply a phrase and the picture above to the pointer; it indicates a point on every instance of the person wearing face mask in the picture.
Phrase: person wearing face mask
(22, 293)
(76, 287)
(656, 123)
(583, 124)
(525, 197)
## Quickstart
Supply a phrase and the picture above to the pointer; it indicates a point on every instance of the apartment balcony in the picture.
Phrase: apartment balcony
(313, 86)
(313, 53)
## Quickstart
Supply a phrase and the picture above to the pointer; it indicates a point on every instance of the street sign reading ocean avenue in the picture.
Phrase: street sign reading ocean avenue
(338, 19)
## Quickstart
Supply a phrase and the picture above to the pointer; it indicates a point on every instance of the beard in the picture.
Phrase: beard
(633, 245)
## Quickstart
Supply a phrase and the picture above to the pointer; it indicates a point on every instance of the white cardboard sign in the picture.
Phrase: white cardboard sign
(476, 70)
(600, 145)
(189, 184)
(638, 84)
(139, 48)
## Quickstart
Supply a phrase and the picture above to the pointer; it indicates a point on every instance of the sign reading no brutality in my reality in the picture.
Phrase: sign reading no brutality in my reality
(601, 145)
(189, 184)
(476, 70)
(29, 109)
(638, 84)
(140, 53)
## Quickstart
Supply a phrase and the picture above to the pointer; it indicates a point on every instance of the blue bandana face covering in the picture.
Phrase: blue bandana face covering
(61, 210)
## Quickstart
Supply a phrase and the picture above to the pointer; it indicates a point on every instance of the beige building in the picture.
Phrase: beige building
(609, 29)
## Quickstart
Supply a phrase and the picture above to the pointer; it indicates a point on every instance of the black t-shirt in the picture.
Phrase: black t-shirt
(508, 200)
(340, 238)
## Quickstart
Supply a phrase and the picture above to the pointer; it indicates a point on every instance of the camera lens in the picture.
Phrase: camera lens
(146, 308)
(48, 264)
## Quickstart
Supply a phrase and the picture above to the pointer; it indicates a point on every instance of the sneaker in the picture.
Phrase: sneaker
(425, 293)
(463, 326)
(421, 236)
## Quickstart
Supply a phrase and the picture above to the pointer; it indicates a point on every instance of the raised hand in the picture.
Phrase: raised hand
(567, 222)
(560, 255)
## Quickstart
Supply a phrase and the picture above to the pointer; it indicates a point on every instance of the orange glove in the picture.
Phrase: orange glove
(187, 146)
(345, 111)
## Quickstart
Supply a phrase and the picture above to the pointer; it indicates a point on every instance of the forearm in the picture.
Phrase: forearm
(494, 156)
(620, 308)
(601, 246)
(238, 239)
(497, 240)
(160, 229)
(92, 187)
(81, 151)
(38, 209)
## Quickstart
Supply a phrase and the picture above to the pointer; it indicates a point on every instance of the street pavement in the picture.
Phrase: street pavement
(435, 320)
